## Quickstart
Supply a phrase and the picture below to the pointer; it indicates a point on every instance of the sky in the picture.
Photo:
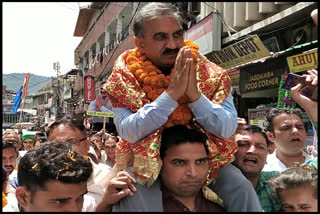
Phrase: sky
(38, 34)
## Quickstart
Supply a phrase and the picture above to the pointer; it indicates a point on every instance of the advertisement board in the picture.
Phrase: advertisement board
(99, 114)
(257, 116)
(206, 33)
(262, 76)
(239, 53)
(88, 88)
(303, 62)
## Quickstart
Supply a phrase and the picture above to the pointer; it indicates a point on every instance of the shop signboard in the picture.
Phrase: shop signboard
(303, 62)
(99, 114)
(206, 33)
(88, 88)
(234, 76)
(261, 76)
(257, 116)
(247, 50)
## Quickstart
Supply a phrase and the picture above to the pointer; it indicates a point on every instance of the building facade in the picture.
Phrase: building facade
(106, 28)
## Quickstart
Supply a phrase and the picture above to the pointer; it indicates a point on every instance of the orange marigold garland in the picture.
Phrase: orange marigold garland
(4, 200)
(154, 82)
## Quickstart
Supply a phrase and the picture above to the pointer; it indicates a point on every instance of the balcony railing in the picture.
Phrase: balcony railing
(110, 46)
(123, 34)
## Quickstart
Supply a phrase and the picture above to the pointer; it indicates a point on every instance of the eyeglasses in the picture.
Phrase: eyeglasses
(76, 142)
(110, 147)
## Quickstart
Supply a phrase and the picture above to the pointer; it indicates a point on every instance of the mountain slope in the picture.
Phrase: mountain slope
(14, 81)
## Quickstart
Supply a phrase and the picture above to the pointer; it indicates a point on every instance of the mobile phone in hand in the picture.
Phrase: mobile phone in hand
(308, 90)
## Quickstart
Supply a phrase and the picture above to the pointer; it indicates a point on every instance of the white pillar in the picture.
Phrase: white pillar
(119, 26)
(107, 37)
(97, 47)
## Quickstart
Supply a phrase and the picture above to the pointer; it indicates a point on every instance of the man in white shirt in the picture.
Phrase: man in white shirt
(286, 129)
(69, 130)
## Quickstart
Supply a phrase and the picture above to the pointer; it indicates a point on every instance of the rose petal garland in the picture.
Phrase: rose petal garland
(153, 82)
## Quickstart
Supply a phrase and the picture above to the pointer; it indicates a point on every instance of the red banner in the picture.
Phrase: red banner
(88, 88)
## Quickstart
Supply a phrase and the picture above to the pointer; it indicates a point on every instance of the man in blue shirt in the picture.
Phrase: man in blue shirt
(102, 104)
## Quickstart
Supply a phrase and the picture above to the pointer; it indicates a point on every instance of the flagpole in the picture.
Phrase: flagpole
(25, 88)
(21, 110)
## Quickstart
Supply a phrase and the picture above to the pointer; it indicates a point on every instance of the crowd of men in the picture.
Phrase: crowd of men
(212, 161)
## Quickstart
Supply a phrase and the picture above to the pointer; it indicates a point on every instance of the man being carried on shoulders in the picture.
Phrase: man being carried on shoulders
(165, 81)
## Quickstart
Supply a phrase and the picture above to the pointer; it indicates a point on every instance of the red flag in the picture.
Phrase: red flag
(25, 84)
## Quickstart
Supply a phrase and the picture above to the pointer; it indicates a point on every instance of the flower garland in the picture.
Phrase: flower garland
(4, 200)
(153, 82)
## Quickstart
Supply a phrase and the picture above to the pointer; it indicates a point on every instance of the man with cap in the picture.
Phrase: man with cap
(28, 141)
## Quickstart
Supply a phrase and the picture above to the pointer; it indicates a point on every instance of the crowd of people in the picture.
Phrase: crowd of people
(175, 143)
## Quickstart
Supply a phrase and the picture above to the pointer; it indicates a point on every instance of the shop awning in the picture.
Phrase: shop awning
(29, 111)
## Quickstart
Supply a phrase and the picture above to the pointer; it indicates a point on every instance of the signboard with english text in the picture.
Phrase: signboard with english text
(88, 88)
(303, 62)
(99, 114)
(262, 76)
(246, 50)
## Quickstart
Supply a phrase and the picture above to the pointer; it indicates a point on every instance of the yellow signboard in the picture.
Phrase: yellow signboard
(239, 53)
(303, 62)
(99, 114)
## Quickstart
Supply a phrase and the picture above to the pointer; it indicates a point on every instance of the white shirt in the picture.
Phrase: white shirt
(12, 205)
(103, 156)
(89, 203)
(96, 190)
(274, 164)
(20, 155)
(13, 176)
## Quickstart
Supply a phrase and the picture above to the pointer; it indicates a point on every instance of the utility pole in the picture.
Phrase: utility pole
(56, 66)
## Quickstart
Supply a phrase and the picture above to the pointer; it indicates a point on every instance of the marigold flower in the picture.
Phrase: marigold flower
(134, 66)
(138, 72)
(142, 76)
(147, 80)
(4, 200)
(147, 88)
(152, 73)
(143, 58)
(161, 82)
(131, 59)
(146, 63)
(150, 68)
